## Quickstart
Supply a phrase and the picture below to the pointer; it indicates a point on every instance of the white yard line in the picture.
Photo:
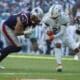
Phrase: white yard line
(36, 57)
(36, 73)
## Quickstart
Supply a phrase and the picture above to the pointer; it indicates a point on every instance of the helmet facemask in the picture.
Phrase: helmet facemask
(36, 15)
(55, 11)
(34, 20)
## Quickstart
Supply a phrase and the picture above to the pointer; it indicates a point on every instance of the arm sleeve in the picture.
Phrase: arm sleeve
(61, 32)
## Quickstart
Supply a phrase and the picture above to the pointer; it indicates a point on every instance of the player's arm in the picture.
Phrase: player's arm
(18, 28)
(28, 32)
(49, 35)
(65, 20)
(61, 32)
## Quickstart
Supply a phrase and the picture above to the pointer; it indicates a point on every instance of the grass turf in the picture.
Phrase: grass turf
(20, 67)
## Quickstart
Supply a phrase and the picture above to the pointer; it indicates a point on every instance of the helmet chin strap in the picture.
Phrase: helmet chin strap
(55, 17)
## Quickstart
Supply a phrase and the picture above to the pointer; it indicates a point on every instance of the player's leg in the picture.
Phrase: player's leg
(75, 48)
(76, 53)
(1, 47)
(1, 44)
(12, 42)
(76, 56)
(58, 55)
(10, 49)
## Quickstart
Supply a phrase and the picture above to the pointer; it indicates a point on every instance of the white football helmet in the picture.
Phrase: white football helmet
(55, 10)
(37, 11)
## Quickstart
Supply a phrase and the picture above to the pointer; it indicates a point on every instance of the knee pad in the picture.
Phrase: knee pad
(76, 50)
(6, 51)
(58, 45)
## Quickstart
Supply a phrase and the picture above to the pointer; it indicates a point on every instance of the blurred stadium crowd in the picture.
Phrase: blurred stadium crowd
(15, 6)
(8, 7)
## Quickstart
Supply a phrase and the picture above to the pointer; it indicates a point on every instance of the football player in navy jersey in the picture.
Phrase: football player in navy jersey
(14, 26)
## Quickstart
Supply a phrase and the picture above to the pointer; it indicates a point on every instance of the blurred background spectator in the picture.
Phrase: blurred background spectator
(16, 6)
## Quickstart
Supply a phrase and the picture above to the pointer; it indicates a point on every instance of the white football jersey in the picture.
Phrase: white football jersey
(56, 24)
(71, 39)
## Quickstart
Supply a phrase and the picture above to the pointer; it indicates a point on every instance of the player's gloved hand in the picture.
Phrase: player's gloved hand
(50, 35)
(28, 32)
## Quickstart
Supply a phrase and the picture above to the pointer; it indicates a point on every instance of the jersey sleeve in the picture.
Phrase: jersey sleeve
(64, 19)
(48, 21)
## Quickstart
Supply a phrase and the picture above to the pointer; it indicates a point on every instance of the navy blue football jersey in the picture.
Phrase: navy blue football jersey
(12, 20)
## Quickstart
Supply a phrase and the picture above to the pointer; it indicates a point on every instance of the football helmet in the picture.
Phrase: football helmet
(38, 12)
(55, 10)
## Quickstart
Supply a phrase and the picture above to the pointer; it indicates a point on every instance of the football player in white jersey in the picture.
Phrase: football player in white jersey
(76, 57)
(72, 38)
(56, 22)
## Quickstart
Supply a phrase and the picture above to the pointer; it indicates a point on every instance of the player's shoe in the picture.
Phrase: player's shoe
(76, 57)
(59, 68)
(2, 67)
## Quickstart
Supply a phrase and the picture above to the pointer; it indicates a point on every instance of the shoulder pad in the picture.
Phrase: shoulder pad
(48, 21)
(64, 19)
(45, 18)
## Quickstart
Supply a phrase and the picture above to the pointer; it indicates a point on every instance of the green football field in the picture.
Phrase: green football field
(26, 67)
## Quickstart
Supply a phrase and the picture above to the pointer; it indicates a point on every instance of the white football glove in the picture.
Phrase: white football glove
(28, 32)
